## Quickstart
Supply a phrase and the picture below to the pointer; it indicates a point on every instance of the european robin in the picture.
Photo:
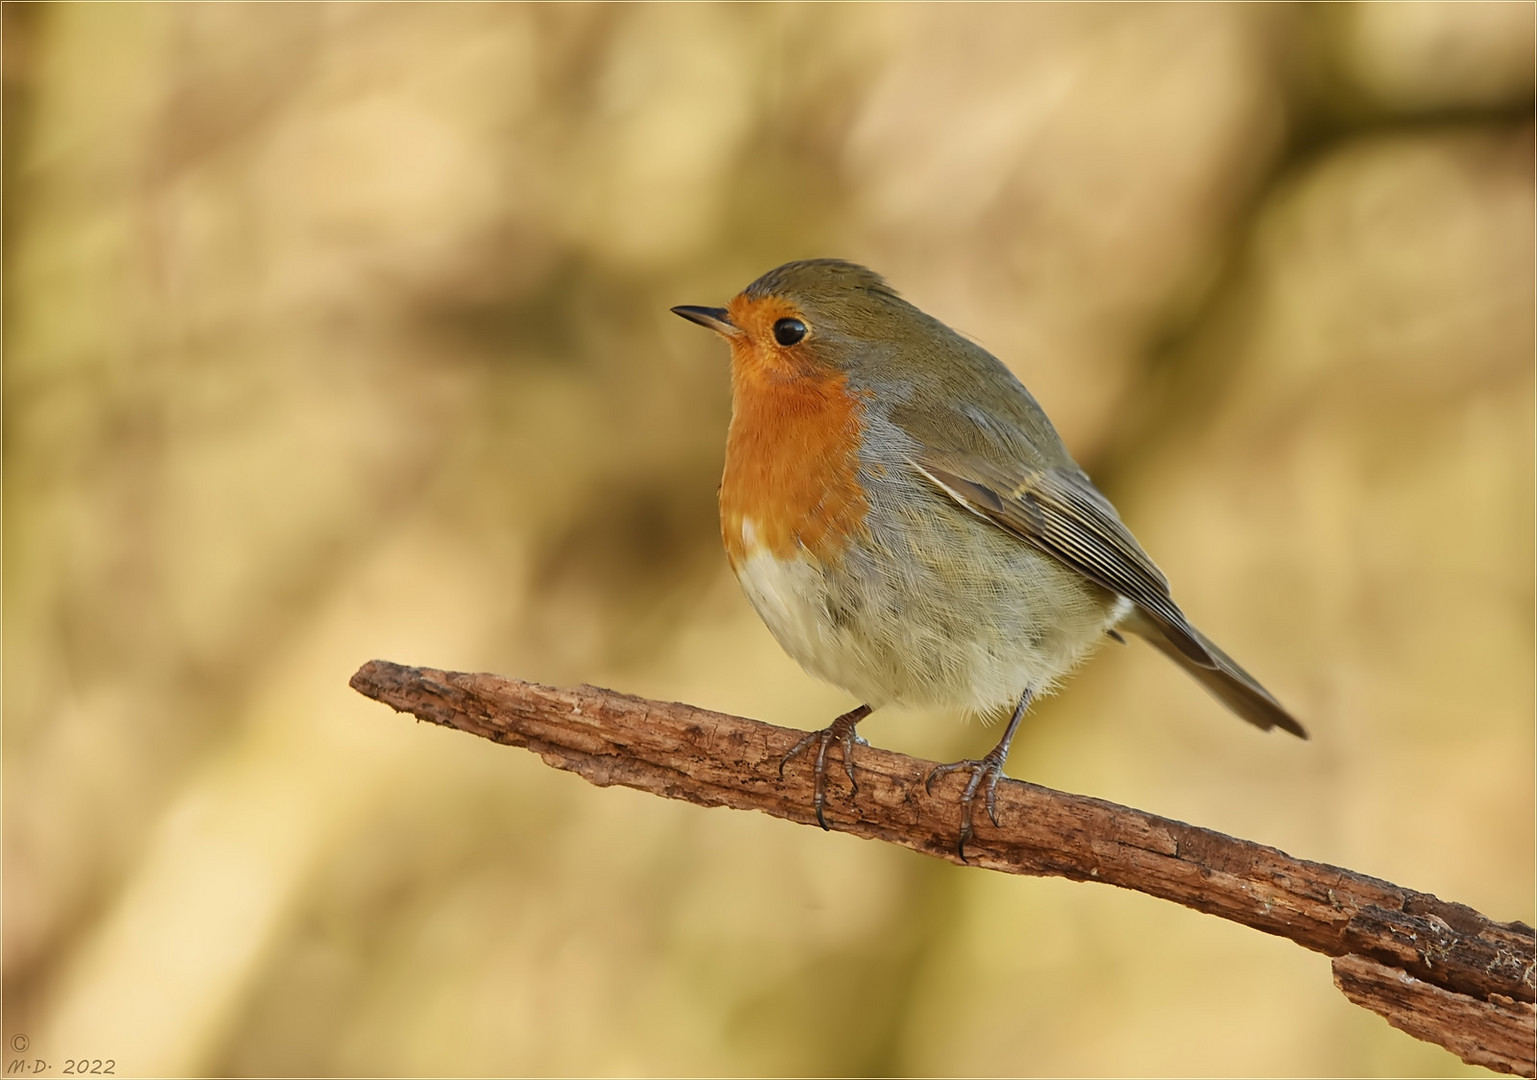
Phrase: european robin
(908, 523)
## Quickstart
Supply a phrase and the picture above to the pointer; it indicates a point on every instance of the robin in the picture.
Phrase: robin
(906, 520)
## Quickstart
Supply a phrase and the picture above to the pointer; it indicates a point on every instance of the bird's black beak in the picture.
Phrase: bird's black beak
(711, 318)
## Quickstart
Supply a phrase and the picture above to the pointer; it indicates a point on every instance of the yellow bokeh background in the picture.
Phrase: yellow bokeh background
(340, 331)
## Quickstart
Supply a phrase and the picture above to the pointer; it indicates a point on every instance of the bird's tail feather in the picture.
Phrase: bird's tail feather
(1225, 680)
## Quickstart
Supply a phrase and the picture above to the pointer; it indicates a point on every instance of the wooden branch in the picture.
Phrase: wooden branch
(1441, 971)
(1495, 1033)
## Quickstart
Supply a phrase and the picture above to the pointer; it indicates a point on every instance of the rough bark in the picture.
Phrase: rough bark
(1471, 977)
(1495, 1033)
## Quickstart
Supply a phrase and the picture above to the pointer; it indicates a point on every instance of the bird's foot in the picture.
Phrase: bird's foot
(840, 731)
(989, 768)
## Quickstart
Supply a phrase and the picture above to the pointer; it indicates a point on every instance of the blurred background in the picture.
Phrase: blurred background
(337, 332)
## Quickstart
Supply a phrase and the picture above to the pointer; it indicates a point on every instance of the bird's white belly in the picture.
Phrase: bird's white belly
(914, 639)
(788, 595)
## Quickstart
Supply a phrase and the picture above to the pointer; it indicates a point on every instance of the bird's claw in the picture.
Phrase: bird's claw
(990, 768)
(841, 730)
(823, 739)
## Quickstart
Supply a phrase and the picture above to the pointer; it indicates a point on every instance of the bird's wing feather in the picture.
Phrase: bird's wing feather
(1058, 511)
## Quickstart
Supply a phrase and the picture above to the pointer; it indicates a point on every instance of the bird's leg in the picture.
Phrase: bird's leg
(989, 767)
(840, 730)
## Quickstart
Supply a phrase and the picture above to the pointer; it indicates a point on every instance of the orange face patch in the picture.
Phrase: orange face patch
(792, 454)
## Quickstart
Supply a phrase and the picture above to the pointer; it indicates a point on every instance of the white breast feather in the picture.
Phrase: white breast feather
(908, 660)
(784, 592)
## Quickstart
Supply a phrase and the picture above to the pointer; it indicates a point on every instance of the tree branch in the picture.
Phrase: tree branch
(1495, 1033)
(1441, 971)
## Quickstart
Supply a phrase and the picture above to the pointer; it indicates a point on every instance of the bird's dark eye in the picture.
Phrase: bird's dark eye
(789, 331)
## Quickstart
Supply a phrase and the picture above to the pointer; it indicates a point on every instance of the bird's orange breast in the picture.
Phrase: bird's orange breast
(792, 454)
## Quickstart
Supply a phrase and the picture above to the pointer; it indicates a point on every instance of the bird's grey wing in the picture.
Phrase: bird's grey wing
(1057, 510)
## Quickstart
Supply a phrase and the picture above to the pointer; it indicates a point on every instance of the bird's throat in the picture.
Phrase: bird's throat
(791, 482)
